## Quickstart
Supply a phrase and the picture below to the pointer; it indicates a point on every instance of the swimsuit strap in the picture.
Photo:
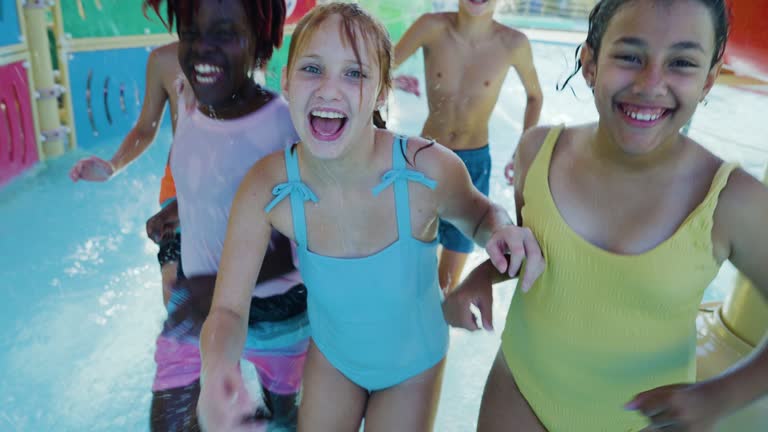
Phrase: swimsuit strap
(399, 175)
(299, 193)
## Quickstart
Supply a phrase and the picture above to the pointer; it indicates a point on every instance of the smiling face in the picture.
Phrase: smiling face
(216, 51)
(477, 7)
(652, 70)
(331, 96)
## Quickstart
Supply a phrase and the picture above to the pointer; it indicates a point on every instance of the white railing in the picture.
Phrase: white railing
(578, 9)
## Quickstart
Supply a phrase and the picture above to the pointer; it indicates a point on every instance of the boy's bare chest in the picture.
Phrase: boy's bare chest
(450, 65)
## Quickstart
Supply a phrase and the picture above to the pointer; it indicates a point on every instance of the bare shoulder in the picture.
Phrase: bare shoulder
(437, 20)
(433, 24)
(739, 218)
(164, 59)
(743, 195)
(433, 159)
(514, 41)
(263, 176)
(165, 54)
(529, 146)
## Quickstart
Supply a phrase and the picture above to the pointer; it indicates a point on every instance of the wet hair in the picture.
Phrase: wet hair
(356, 25)
(266, 19)
(605, 10)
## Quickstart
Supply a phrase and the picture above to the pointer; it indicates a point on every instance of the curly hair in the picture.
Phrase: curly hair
(266, 19)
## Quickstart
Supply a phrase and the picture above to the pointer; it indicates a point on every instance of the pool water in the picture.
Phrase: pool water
(82, 297)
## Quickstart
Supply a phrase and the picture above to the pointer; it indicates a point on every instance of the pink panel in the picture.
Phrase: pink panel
(18, 149)
(5, 138)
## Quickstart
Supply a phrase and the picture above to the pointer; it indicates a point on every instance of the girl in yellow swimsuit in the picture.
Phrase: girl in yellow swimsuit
(634, 220)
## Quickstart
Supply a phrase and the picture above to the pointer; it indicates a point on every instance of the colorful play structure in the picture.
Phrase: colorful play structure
(72, 74)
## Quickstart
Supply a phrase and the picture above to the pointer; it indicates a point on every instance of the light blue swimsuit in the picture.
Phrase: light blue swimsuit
(377, 319)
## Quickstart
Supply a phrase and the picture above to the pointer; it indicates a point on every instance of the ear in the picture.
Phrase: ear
(714, 72)
(588, 64)
(284, 81)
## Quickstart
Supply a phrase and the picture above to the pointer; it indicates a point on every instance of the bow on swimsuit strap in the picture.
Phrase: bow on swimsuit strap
(285, 189)
(394, 175)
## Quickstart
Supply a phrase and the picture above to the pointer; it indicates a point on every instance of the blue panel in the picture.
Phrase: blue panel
(10, 31)
(115, 75)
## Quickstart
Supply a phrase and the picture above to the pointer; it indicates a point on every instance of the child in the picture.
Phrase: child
(635, 220)
(466, 58)
(366, 241)
(235, 123)
(162, 71)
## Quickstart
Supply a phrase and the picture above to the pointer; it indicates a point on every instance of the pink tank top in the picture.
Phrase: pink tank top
(209, 160)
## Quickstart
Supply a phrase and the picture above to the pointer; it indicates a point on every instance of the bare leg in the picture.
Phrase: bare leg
(451, 265)
(168, 271)
(409, 406)
(504, 408)
(330, 402)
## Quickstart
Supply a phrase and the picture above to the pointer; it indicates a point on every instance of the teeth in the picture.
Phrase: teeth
(643, 116)
(205, 80)
(207, 68)
(328, 114)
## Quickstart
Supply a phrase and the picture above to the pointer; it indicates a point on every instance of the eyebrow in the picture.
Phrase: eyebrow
(679, 46)
(350, 61)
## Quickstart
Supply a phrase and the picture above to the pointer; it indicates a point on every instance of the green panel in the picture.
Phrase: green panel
(397, 15)
(275, 66)
(84, 18)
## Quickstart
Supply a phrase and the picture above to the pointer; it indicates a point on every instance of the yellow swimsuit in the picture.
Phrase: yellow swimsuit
(598, 327)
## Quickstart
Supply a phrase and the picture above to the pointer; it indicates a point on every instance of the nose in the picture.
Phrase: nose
(203, 44)
(329, 89)
(651, 81)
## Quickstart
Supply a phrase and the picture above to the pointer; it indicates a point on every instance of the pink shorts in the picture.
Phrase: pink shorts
(178, 365)
(280, 374)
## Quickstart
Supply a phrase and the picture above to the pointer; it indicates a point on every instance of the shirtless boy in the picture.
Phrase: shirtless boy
(466, 58)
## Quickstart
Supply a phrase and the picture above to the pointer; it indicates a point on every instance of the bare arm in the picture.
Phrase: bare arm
(138, 138)
(143, 133)
(417, 35)
(487, 223)
(463, 205)
(248, 233)
(740, 233)
(743, 211)
(528, 148)
(475, 289)
(522, 61)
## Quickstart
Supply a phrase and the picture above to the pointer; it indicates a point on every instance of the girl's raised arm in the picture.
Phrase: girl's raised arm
(224, 401)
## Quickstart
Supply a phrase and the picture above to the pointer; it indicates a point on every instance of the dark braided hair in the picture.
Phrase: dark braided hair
(605, 10)
(266, 19)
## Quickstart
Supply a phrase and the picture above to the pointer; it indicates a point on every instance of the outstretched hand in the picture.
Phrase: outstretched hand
(521, 246)
(407, 83)
(226, 405)
(92, 169)
(679, 407)
(509, 172)
(163, 224)
(475, 290)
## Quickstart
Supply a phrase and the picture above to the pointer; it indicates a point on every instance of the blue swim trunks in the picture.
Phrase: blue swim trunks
(478, 162)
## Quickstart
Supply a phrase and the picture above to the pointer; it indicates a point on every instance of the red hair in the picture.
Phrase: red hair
(266, 19)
